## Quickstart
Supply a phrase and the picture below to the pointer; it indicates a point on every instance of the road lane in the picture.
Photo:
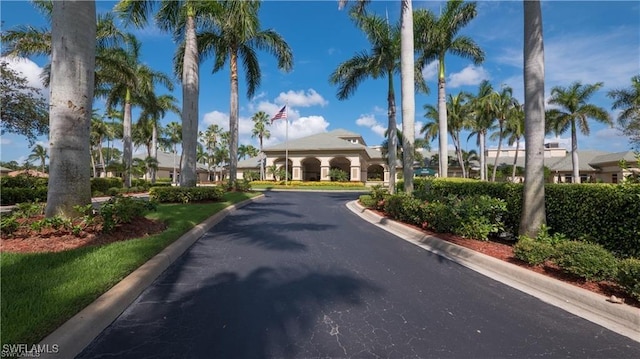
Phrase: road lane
(297, 275)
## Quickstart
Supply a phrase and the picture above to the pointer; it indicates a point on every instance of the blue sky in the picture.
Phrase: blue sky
(587, 41)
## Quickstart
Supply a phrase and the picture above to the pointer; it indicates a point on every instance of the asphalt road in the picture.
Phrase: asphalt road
(297, 275)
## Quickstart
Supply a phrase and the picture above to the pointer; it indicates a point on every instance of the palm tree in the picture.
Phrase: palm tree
(39, 153)
(235, 36)
(513, 132)
(153, 109)
(628, 100)
(503, 104)
(245, 151)
(73, 40)
(481, 121)
(180, 18)
(407, 80)
(381, 61)
(260, 130)
(574, 113)
(174, 137)
(533, 209)
(211, 138)
(129, 89)
(438, 38)
(99, 131)
(458, 109)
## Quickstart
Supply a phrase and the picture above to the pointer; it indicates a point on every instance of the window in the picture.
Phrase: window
(568, 178)
(614, 178)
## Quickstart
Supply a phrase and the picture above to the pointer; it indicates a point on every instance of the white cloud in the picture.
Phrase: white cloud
(216, 118)
(300, 127)
(301, 99)
(370, 122)
(5, 141)
(29, 70)
(470, 75)
(430, 71)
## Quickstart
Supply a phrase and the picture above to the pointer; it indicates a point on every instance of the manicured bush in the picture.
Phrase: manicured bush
(404, 208)
(480, 216)
(23, 181)
(12, 196)
(121, 209)
(338, 175)
(440, 217)
(104, 184)
(628, 276)
(586, 260)
(186, 195)
(532, 251)
(251, 175)
(367, 201)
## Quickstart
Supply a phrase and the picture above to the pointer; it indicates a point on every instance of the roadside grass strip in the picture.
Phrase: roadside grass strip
(40, 291)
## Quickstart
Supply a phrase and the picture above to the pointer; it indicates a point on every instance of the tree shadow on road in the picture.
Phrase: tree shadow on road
(263, 314)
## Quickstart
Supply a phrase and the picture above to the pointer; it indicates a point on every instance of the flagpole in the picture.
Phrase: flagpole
(286, 145)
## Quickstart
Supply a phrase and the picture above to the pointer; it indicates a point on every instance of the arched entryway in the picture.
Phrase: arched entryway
(342, 164)
(280, 166)
(375, 173)
(310, 169)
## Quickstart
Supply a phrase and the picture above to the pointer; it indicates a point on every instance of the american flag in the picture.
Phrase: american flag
(281, 114)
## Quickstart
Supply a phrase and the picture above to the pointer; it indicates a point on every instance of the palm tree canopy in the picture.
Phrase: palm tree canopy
(233, 31)
(574, 109)
(437, 35)
(628, 101)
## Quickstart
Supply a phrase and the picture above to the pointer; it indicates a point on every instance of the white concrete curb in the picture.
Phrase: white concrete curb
(76, 333)
(620, 318)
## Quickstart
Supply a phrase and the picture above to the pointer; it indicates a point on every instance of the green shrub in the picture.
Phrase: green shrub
(405, 208)
(121, 209)
(586, 260)
(28, 209)
(440, 217)
(243, 186)
(113, 191)
(23, 181)
(338, 175)
(104, 184)
(367, 201)
(480, 216)
(185, 194)
(379, 194)
(13, 195)
(251, 175)
(628, 276)
(532, 251)
(8, 225)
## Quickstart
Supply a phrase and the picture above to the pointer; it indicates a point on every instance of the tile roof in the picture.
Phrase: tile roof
(321, 141)
(628, 156)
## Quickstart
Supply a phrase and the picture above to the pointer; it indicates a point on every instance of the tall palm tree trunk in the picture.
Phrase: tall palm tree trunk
(72, 83)
(190, 93)
(127, 150)
(456, 143)
(515, 160)
(101, 157)
(407, 90)
(262, 176)
(574, 153)
(93, 165)
(233, 120)
(495, 162)
(392, 143)
(175, 169)
(442, 122)
(483, 159)
(533, 210)
(154, 150)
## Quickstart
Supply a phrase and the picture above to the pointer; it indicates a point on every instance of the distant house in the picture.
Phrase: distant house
(166, 163)
(594, 166)
(310, 158)
(4, 171)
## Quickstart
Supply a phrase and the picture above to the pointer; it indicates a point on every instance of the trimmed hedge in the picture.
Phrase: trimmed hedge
(629, 276)
(586, 260)
(12, 196)
(601, 213)
(185, 194)
(104, 184)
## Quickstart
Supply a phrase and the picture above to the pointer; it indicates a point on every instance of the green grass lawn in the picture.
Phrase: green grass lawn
(307, 186)
(41, 291)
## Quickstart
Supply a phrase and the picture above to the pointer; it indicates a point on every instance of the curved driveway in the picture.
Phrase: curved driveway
(297, 275)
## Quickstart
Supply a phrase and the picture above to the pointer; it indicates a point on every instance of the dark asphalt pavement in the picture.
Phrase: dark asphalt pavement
(297, 275)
